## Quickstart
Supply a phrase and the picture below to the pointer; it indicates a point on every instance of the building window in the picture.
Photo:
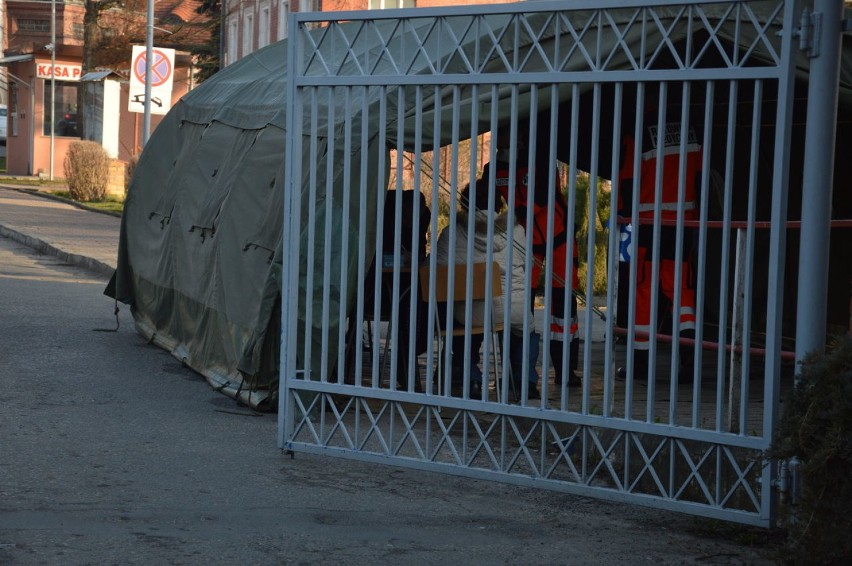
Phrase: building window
(382, 4)
(233, 46)
(283, 12)
(248, 34)
(65, 109)
(28, 24)
(306, 5)
(263, 24)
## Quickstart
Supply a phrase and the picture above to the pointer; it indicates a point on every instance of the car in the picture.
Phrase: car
(3, 112)
(67, 126)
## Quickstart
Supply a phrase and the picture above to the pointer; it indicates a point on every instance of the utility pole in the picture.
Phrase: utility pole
(818, 174)
(52, 83)
(3, 78)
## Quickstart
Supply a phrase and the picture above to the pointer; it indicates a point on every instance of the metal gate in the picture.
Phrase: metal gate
(386, 106)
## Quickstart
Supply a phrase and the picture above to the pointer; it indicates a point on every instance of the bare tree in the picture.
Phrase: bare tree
(112, 27)
(91, 40)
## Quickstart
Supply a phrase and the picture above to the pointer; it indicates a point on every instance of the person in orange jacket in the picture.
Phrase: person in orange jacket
(665, 145)
(561, 329)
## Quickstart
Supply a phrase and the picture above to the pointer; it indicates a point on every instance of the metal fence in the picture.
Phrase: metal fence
(699, 94)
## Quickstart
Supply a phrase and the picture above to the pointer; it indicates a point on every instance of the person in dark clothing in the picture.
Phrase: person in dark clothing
(561, 330)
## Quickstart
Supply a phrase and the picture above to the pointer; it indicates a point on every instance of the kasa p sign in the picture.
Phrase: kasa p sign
(162, 76)
(59, 71)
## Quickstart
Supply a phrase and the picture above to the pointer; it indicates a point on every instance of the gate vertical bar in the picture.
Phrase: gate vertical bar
(777, 243)
(750, 259)
(290, 254)
(613, 259)
(362, 251)
(702, 254)
(731, 424)
(818, 179)
(727, 204)
(592, 215)
(348, 159)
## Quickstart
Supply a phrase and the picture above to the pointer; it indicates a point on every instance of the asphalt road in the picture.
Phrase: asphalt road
(111, 452)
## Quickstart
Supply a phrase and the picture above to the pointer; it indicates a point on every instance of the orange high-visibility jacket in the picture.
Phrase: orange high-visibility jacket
(671, 142)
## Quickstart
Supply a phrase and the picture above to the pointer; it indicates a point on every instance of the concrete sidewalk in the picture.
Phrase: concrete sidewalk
(74, 234)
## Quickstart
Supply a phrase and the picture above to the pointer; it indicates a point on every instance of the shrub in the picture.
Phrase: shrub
(129, 170)
(87, 171)
(581, 221)
(816, 428)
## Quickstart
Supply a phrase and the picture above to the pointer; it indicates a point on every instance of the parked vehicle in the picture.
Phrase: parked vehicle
(3, 124)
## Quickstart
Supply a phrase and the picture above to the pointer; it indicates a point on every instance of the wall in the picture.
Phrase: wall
(111, 113)
(18, 146)
(115, 182)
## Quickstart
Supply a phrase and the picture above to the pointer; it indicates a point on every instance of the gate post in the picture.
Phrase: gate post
(824, 31)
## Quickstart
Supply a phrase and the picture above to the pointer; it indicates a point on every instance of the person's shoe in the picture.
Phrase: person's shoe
(640, 375)
(574, 380)
(685, 373)
(457, 382)
(514, 389)
(533, 392)
(475, 390)
(640, 367)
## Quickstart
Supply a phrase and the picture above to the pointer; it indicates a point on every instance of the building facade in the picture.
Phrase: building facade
(37, 71)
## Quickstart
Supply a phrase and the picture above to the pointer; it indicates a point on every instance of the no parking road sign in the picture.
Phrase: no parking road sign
(162, 76)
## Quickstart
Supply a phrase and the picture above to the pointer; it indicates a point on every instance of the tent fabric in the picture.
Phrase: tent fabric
(200, 255)
(200, 247)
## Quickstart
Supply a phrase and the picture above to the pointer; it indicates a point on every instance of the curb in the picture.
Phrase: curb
(91, 264)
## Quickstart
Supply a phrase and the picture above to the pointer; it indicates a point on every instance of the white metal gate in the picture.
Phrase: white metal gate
(416, 101)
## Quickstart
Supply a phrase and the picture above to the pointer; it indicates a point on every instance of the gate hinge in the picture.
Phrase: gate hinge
(809, 33)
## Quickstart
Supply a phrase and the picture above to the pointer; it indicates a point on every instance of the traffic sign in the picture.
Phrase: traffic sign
(161, 68)
(162, 78)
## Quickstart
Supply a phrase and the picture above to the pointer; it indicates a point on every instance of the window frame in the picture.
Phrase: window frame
(48, 113)
(248, 32)
(283, 19)
(264, 21)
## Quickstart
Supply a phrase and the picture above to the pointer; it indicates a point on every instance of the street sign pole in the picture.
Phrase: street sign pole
(149, 57)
